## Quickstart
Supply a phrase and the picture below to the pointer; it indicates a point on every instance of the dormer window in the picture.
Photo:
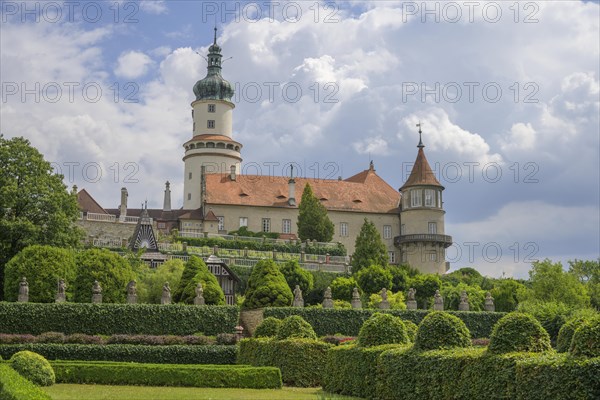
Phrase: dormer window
(212, 108)
(210, 124)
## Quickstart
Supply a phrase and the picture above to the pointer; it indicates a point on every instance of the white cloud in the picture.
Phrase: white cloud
(132, 64)
(521, 137)
(376, 146)
(153, 6)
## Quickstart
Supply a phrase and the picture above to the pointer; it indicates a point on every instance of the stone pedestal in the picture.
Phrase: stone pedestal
(23, 298)
(199, 301)
(166, 298)
(60, 298)
(356, 303)
(411, 305)
(384, 305)
(131, 298)
(438, 307)
(327, 303)
(463, 307)
(97, 298)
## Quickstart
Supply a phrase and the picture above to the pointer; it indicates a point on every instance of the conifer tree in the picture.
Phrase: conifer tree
(267, 287)
(313, 222)
(369, 249)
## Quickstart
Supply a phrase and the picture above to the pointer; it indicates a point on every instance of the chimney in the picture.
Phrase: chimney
(232, 173)
(167, 200)
(292, 188)
(123, 206)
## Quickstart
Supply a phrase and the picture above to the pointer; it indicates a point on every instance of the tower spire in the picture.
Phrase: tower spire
(420, 145)
(215, 41)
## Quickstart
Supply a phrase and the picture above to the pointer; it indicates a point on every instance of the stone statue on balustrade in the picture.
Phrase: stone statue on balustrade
(298, 300)
(166, 294)
(61, 291)
(132, 292)
(23, 291)
(489, 303)
(96, 292)
(327, 300)
(411, 303)
(385, 304)
(464, 302)
(199, 299)
(356, 303)
(438, 301)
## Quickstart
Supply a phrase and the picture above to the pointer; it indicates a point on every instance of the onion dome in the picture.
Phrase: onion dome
(213, 86)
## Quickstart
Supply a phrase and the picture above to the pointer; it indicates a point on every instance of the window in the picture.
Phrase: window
(432, 229)
(429, 197)
(403, 229)
(243, 221)
(162, 225)
(210, 124)
(439, 199)
(266, 224)
(343, 229)
(212, 108)
(404, 256)
(190, 175)
(433, 256)
(287, 226)
(387, 231)
(415, 198)
(189, 196)
(392, 256)
(221, 223)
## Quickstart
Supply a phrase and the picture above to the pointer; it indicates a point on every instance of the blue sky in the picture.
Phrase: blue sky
(508, 94)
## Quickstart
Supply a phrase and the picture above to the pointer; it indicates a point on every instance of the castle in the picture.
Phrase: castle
(217, 199)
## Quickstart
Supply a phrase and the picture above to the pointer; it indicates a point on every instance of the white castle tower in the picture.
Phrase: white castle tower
(211, 149)
(422, 241)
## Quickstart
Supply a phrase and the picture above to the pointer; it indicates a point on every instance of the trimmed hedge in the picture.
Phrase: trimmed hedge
(14, 387)
(352, 370)
(565, 334)
(349, 321)
(301, 361)
(518, 332)
(268, 328)
(440, 330)
(109, 319)
(217, 376)
(382, 329)
(586, 339)
(295, 327)
(209, 354)
(33, 367)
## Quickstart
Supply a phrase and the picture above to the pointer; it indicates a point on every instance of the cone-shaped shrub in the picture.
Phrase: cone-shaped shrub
(268, 328)
(267, 287)
(33, 367)
(295, 327)
(440, 330)
(382, 329)
(586, 339)
(518, 332)
(213, 294)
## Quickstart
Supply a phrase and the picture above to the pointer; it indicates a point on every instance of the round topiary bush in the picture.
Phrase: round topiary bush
(411, 330)
(518, 332)
(565, 334)
(382, 329)
(268, 328)
(440, 330)
(34, 367)
(586, 339)
(295, 327)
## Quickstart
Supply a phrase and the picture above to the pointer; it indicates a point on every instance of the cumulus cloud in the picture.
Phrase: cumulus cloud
(376, 146)
(132, 64)
(521, 137)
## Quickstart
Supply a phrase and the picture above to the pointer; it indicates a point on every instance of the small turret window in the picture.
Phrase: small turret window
(210, 124)
(432, 228)
(439, 199)
(429, 197)
(212, 108)
(415, 198)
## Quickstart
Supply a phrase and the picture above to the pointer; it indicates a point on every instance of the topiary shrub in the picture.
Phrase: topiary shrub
(440, 330)
(374, 278)
(213, 293)
(33, 367)
(518, 332)
(294, 275)
(267, 287)
(411, 329)
(43, 266)
(268, 328)
(586, 339)
(295, 327)
(565, 334)
(111, 270)
(382, 329)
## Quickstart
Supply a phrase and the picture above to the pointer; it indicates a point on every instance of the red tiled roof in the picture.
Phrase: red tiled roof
(421, 173)
(88, 204)
(364, 192)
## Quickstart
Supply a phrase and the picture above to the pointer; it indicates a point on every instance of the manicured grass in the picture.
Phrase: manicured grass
(101, 392)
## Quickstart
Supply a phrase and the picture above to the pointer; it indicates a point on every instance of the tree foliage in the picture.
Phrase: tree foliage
(518, 332)
(369, 248)
(35, 206)
(342, 287)
(506, 293)
(267, 287)
(374, 278)
(186, 289)
(43, 266)
(294, 275)
(382, 329)
(111, 270)
(451, 295)
(313, 221)
(425, 285)
(150, 283)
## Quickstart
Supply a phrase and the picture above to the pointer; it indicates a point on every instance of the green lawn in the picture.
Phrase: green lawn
(102, 392)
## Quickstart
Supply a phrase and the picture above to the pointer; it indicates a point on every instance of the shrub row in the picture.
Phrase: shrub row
(210, 354)
(333, 250)
(352, 370)
(218, 376)
(349, 321)
(465, 373)
(14, 387)
(109, 319)
(301, 361)
(81, 338)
